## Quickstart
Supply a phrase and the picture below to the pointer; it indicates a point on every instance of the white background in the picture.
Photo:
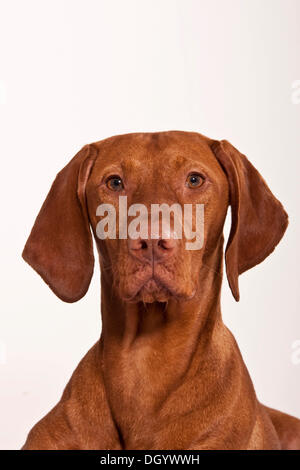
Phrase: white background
(72, 72)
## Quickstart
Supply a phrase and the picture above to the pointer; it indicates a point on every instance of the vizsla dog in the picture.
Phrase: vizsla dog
(166, 373)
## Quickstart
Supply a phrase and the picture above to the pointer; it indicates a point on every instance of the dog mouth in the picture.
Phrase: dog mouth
(156, 289)
(150, 291)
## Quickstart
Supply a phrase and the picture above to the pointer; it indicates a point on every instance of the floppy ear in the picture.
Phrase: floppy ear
(258, 220)
(60, 244)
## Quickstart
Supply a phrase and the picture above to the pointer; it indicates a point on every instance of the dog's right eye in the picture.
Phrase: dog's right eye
(194, 180)
(114, 183)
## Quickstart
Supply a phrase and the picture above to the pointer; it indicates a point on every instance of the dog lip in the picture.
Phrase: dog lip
(160, 284)
(174, 292)
(131, 298)
(157, 282)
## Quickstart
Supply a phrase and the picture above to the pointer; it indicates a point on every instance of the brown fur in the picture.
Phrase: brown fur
(166, 372)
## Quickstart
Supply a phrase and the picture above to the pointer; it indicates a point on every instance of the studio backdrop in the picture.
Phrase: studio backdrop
(74, 72)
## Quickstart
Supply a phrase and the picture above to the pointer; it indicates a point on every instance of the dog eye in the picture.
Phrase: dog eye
(194, 180)
(114, 183)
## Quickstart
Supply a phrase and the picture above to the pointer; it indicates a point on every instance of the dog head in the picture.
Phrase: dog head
(174, 170)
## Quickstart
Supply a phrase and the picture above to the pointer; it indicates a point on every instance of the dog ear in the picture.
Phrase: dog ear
(60, 246)
(258, 220)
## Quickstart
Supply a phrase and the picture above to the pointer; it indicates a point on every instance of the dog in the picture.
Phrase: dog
(166, 372)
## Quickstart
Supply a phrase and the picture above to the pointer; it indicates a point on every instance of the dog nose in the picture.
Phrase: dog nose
(152, 250)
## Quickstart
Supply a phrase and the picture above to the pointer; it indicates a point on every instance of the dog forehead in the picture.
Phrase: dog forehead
(155, 152)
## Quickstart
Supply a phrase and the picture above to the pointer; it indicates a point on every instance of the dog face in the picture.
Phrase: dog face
(155, 168)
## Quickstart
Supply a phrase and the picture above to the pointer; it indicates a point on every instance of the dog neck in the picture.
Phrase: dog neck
(170, 338)
(151, 353)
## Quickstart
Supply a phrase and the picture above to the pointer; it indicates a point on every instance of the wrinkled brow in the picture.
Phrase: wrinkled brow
(184, 164)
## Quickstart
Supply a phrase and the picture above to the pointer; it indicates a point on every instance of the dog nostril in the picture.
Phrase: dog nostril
(165, 244)
(144, 245)
(138, 245)
(161, 244)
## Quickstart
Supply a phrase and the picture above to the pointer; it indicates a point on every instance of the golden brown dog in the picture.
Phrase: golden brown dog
(166, 372)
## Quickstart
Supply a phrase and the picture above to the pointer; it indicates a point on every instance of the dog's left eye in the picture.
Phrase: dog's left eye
(115, 183)
(194, 180)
